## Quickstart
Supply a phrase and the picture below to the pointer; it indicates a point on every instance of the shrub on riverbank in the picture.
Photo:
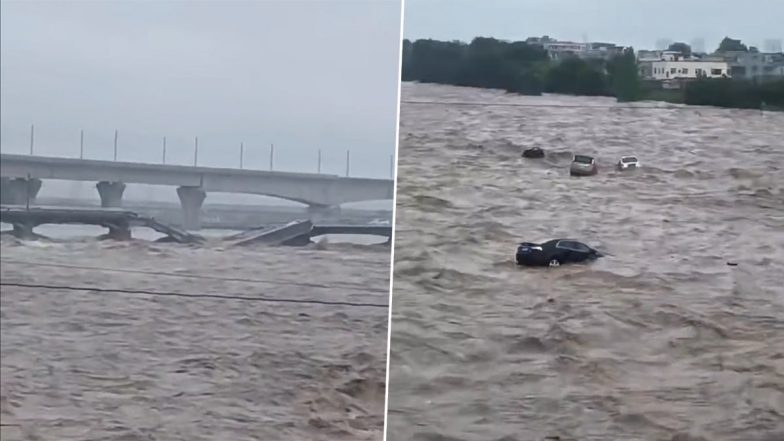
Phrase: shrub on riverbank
(725, 92)
(772, 94)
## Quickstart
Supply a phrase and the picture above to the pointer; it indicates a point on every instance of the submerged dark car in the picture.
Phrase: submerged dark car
(533, 153)
(554, 253)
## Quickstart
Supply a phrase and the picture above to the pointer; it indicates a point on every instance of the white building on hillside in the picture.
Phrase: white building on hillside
(604, 51)
(561, 49)
(688, 69)
(645, 55)
(754, 65)
(648, 56)
(558, 49)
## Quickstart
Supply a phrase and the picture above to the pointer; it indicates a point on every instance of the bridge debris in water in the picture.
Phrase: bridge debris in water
(293, 233)
(301, 232)
(118, 221)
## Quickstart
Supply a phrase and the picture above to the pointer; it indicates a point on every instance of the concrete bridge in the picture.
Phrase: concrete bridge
(22, 177)
(119, 222)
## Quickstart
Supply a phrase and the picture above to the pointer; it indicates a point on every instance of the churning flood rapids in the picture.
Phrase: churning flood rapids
(100, 365)
(661, 340)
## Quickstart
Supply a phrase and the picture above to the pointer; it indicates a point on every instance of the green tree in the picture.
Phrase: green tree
(723, 92)
(731, 45)
(433, 61)
(407, 74)
(575, 76)
(683, 48)
(624, 76)
(485, 62)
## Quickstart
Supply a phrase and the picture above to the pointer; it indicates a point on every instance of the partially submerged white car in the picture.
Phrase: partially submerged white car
(627, 162)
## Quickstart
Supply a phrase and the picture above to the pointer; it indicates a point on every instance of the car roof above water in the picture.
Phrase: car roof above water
(583, 159)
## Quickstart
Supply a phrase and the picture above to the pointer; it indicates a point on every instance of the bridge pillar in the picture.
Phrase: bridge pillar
(323, 212)
(121, 231)
(191, 199)
(17, 191)
(111, 193)
(23, 230)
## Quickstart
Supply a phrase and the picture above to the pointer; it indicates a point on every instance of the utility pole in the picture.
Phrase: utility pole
(115, 145)
(163, 159)
(242, 153)
(81, 144)
(196, 152)
(318, 170)
(348, 161)
(32, 137)
(272, 156)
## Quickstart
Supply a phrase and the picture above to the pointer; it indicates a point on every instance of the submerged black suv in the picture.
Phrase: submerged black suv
(554, 253)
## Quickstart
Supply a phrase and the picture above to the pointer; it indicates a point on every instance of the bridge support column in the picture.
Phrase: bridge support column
(111, 193)
(23, 231)
(18, 191)
(191, 199)
(119, 231)
(323, 212)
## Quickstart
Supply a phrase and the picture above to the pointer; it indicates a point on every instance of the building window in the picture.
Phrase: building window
(673, 70)
(685, 71)
(715, 71)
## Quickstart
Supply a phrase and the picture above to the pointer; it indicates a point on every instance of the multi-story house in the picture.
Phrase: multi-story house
(688, 69)
(755, 65)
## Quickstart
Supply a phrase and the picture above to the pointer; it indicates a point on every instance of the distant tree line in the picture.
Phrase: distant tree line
(727, 44)
(518, 67)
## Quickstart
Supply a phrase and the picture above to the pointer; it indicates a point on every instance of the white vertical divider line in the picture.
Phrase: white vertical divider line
(394, 215)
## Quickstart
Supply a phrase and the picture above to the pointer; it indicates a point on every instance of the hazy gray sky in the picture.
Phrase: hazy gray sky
(303, 75)
(628, 22)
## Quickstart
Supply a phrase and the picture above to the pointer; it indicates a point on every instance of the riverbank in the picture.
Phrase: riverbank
(523, 69)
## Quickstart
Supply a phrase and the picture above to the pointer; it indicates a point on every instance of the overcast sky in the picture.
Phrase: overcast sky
(638, 23)
(303, 75)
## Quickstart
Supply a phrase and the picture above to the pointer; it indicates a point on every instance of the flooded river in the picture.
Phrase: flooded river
(86, 365)
(661, 340)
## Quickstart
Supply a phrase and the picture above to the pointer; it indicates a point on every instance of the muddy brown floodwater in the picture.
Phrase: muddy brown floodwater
(98, 366)
(661, 340)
